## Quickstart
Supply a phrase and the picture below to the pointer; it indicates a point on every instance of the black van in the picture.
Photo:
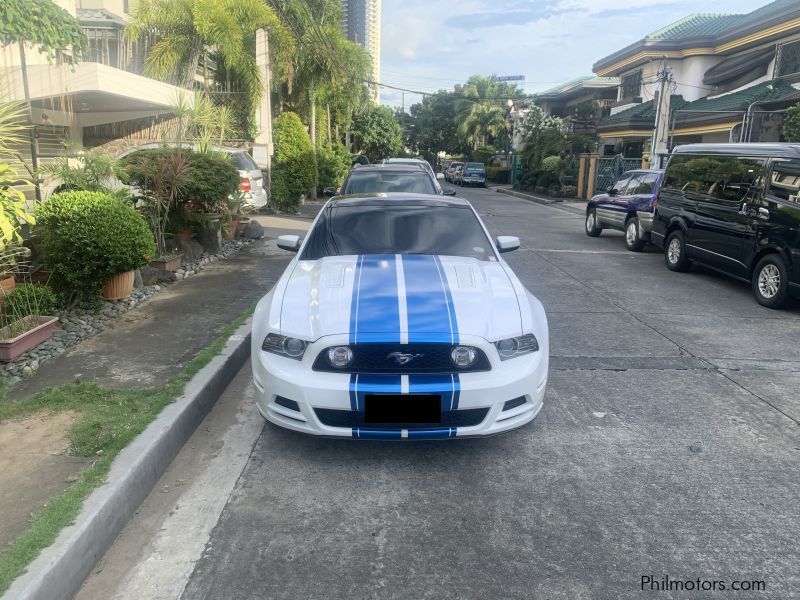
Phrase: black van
(734, 208)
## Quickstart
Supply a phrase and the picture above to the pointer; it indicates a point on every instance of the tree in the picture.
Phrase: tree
(51, 29)
(543, 136)
(377, 134)
(188, 32)
(295, 169)
(482, 113)
(431, 127)
(791, 125)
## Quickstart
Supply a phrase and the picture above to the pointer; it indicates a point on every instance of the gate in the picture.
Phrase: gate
(609, 170)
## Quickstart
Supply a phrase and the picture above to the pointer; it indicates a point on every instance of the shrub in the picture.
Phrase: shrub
(498, 174)
(31, 299)
(295, 169)
(552, 165)
(791, 125)
(211, 177)
(333, 163)
(88, 237)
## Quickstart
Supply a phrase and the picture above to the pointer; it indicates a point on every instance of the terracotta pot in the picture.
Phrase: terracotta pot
(12, 348)
(6, 285)
(184, 234)
(168, 263)
(119, 286)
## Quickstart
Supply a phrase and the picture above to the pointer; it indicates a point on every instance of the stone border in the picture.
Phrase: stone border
(79, 325)
(531, 197)
(60, 570)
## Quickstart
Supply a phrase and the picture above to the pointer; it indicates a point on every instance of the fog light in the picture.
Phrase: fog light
(463, 356)
(294, 347)
(340, 356)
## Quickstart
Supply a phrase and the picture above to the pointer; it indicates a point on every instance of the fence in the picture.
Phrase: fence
(609, 170)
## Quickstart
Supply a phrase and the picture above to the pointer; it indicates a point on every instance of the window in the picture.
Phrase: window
(374, 181)
(243, 162)
(788, 59)
(725, 178)
(645, 184)
(631, 85)
(384, 229)
(785, 180)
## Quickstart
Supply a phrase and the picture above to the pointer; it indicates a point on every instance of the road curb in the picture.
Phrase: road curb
(537, 199)
(59, 571)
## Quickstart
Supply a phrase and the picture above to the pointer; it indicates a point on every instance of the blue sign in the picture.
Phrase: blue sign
(511, 78)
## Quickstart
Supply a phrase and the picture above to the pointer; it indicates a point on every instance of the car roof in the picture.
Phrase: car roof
(398, 199)
(398, 167)
(763, 149)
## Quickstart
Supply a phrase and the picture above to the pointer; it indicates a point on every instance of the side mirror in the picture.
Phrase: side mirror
(507, 243)
(449, 193)
(612, 191)
(289, 242)
(329, 192)
(439, 176)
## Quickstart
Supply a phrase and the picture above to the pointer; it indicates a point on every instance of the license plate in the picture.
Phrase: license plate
(402, 408)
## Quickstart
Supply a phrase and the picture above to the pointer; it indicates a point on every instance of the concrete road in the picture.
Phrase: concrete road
(668, 447)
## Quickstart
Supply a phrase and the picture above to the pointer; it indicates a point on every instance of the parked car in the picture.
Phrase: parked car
(472, 174)
(626, 206)
(451, 170)
(387, 178)
(399, 320)
(734, 208)
(421, 163)
(251, 181)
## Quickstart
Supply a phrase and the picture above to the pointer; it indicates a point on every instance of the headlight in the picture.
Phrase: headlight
(517, 346)
(284, 346)
(463, 356)
(340, 356)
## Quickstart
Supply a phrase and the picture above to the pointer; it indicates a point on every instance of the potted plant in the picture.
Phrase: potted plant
(26, 319)
(93, 242)
(13, 214)
(234, 206)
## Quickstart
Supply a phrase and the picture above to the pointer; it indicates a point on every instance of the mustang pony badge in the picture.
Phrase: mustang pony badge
(403, 358)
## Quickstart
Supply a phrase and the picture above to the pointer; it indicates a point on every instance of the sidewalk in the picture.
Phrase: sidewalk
(145, 348)
(572, 205)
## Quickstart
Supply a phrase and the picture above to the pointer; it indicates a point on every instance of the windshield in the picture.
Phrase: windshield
(243, 161)
(375, 181)
(353, 230)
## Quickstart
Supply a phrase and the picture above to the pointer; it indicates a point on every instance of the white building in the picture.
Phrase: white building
(361, 22)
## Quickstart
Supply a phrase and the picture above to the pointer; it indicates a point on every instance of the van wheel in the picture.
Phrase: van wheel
(771, 281)
(675, 252)
(592, 230)
(633, 240)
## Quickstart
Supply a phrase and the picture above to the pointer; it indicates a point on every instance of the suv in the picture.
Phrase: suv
(734, 208)
(388, 177)
(626, 206)
(472, 174)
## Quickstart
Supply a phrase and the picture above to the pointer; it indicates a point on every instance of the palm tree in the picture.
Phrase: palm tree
(181, 33)
(481, 114)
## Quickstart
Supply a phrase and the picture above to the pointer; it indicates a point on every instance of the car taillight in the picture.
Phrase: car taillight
(244, 185)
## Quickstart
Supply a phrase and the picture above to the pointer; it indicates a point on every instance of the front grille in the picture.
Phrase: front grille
(426, 358)
(351, 418)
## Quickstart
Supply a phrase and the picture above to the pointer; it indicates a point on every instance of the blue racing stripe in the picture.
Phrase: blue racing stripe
(375, 310)
(429, 316)
(451, 309)
(431, 434)
(445, 384)
(371, 384)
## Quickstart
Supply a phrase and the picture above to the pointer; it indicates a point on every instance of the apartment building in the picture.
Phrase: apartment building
(361, 22)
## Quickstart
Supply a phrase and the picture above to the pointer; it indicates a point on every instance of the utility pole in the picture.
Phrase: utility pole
(263, 148)
(659, 143)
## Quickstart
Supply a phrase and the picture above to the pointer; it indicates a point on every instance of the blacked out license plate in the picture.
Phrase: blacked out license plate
(402, 408)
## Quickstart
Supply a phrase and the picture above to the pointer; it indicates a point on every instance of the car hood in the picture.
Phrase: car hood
(405, 299)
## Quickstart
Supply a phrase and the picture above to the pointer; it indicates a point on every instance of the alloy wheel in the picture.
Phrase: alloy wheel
(630, 233)
(590, 222)
(674, 251)
(769, 281)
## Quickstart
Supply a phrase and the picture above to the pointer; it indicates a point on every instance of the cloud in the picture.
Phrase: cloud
(433, 44)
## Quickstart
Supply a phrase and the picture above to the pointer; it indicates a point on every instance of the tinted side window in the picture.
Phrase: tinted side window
(645, 183)
(726, 178)
(785, 180)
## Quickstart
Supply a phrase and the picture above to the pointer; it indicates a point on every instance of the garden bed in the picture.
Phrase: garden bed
(78, 325)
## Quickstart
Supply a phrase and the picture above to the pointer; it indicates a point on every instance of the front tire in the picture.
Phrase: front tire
(675, 252)
(771, 281)
(592, 230)
(633, 238)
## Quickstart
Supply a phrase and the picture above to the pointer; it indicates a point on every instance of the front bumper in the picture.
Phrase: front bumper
(522, 380)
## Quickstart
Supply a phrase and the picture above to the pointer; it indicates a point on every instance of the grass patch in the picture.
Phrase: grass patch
(108, 420)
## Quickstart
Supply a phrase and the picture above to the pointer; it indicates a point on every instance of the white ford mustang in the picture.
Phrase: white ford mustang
(398, 319)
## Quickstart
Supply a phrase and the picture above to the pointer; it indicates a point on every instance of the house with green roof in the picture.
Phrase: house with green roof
(732, 75)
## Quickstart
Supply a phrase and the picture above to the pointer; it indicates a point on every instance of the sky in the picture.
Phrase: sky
(433, 44)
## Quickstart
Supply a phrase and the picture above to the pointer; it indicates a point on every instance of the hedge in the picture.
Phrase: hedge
(295, 170)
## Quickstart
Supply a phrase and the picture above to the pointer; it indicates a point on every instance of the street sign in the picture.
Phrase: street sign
(510, 78)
